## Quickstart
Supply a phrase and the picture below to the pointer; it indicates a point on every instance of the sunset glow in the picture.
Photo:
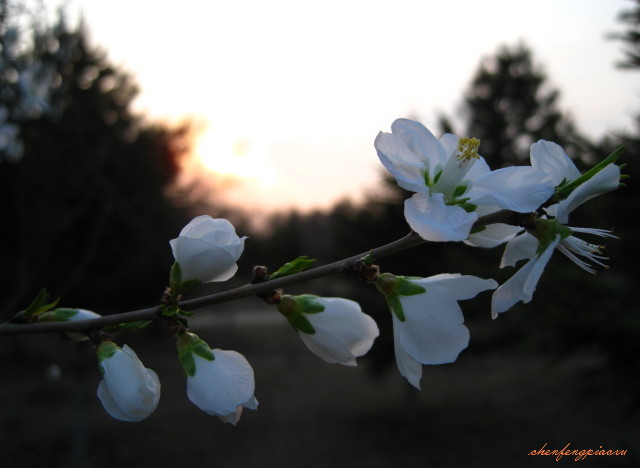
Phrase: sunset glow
(296, 93)
(235, 157)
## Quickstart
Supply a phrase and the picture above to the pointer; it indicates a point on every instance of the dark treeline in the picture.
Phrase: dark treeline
(84, 211)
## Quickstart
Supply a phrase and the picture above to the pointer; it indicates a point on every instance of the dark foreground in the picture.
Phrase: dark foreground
(488, 410)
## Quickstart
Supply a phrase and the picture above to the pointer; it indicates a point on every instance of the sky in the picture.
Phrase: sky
(290, 94)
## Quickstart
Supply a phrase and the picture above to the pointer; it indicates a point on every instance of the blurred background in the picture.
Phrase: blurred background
(120, 122)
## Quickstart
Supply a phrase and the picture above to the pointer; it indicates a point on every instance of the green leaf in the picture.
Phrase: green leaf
(405, 287)
(437, 177)
(294, 308)
(202, 349)
(300, 322)
(307, 304)
(368, 259)
(427, 180)
(188, 345)
(175, 279)
(39, 305)
(292, 267)
(396, 307)
(105, 350)
(459, 190)
(564, 189)
(187, 362)
(57, 315)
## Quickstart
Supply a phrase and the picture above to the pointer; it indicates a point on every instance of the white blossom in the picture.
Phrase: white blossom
(128, 391)
(333, 328)
(428, 325)
(207, 249)
(222, 386)
(538, 247)
(450, 179)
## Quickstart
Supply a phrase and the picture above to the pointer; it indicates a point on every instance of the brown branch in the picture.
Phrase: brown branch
(341, 266)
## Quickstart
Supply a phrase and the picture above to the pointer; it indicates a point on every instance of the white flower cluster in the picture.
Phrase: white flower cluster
(453, 187)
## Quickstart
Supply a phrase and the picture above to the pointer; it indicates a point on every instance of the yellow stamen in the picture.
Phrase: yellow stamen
(468, 149)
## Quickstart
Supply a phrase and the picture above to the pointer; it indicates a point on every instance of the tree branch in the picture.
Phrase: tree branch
(341, 266)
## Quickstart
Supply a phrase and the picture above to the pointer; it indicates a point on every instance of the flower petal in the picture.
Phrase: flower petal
(220, 386)
(522, 285)
(401, 162)
(433, 330)
(407, 365)
(550, 158)
(127, 385)
(493, 234)
(435, 221)
(522, 189)
(606, 180)
(423, 143)
(342, 331)
(459, 287)
(112, 408)
(200, 226)
(204, 261)
(519, 248)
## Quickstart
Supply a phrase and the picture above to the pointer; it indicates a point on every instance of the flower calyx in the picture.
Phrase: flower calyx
(546, 231)
(392, 287)
(188, 345)
(294, 308)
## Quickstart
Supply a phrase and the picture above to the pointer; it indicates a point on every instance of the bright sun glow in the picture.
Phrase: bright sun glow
(235, 157)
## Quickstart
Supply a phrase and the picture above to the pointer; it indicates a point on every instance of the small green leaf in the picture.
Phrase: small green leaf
(368, 259)
(105, 350)
(294, 308)
(188, 345)
(175, 278)
(477, 229)
(300, 322)
(405, 287)
(564, 189)
(202, 349)
(307, 304)
(187, 362)
(57, 315)
(427, 180)
(459, 190)
(396, 307)
(437, 177)
(39, 305)
(292, 267)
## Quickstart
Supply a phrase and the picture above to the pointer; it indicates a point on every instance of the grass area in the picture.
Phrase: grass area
(486, 410)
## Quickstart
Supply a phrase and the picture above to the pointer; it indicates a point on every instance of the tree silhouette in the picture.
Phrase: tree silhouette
(630, 37)
(85, 202)
(510, 105)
